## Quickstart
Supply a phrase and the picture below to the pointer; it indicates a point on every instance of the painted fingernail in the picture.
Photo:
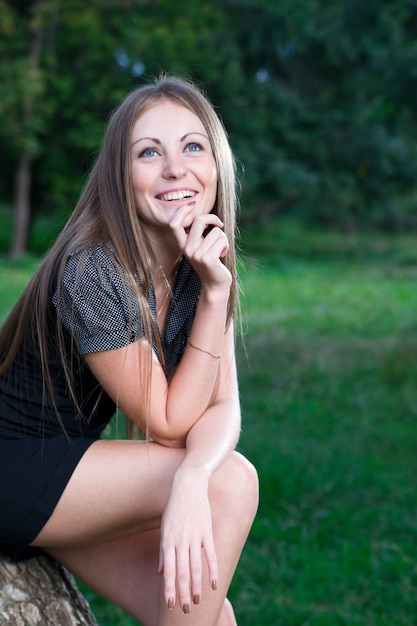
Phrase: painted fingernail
(196, 599)
(214, 584)
(171, 603)
(186, 608)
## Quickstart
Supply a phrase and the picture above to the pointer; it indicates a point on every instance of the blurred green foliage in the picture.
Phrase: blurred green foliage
(318, 97)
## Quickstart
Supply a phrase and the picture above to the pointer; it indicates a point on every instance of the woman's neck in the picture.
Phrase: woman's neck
(167, 254)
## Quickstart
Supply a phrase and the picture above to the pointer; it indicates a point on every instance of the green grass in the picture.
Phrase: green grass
(329, 402)
(328, 384)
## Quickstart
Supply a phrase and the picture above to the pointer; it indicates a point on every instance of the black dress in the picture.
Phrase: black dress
(41, 442)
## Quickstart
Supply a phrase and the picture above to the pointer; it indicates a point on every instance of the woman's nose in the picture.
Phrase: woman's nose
(174, 166)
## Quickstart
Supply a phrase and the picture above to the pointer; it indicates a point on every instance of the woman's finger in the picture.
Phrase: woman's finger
(169, 571)
(196, 570)
(183, 580)
(212, 564)
(215, 244)
(202, 225)
(187, 228)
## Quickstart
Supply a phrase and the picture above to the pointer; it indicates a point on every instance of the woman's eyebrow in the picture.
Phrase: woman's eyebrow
(193, 132)
(154, 139)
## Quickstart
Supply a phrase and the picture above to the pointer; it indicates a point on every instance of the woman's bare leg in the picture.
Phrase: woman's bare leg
(105, 528)
(117, 489)
(124, 572)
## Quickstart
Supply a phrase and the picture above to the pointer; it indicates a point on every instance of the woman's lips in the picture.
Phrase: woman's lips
(170, 196)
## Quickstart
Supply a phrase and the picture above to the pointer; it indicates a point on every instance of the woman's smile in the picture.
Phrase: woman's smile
(175, 195)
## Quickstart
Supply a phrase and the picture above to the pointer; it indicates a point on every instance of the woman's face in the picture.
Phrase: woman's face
(172, 164)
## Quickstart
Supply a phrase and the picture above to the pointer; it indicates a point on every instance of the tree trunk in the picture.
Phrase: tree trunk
(23, 178)
(22, 206)
(40, 592)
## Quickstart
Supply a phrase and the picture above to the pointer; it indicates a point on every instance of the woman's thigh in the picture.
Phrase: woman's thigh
(123, 570)
(118, 488)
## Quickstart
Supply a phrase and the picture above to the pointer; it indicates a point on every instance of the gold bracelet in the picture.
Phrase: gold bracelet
(215, 356)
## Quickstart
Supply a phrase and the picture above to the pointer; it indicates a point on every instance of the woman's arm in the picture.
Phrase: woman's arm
(217, 432)
(175, 407)
(186, 529)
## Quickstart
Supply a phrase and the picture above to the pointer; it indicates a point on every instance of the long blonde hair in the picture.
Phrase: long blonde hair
(106, 213)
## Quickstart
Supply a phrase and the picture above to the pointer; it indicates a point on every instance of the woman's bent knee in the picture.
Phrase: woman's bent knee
(235, 484)
(244, 476)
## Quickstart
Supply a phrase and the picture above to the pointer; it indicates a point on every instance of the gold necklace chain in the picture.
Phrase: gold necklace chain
(167, 284)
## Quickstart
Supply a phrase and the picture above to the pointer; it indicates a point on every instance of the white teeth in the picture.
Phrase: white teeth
(177, 195)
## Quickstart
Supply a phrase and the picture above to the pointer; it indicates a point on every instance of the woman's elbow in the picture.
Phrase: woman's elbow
(169, 442)
(168, 436)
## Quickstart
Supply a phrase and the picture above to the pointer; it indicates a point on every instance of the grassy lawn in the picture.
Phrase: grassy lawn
(328, 387)
(329, 401)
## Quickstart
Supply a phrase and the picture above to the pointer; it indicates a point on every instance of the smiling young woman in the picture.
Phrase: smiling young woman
(133, 308)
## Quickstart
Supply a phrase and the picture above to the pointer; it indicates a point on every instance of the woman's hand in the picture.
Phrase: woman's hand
(187, 538)
(203, 249)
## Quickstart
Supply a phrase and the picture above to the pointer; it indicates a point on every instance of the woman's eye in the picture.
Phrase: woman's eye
(193, 147)
(148, 152)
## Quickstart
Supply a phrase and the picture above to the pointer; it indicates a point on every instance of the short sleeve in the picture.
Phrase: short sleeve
(97, 306)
